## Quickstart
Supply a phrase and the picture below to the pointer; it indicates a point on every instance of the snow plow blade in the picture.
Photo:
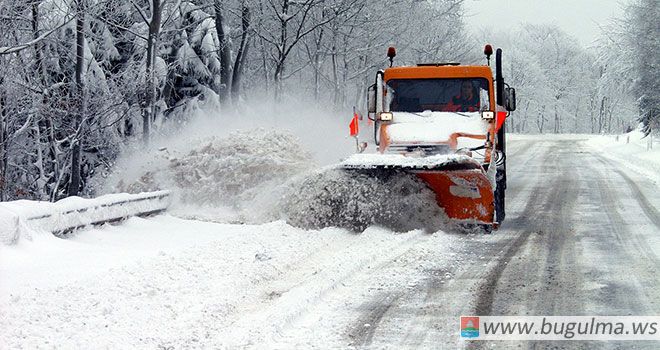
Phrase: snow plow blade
(461, 186)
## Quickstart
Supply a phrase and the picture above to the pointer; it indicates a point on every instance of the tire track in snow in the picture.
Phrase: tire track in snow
(622, 251)
(299, 300)
(489, 253)
(649, 209)
(486, 291)
(362, 333)
(561, 276)
(650, 212)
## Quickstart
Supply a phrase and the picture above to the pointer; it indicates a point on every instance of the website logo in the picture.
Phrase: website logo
(469, 327)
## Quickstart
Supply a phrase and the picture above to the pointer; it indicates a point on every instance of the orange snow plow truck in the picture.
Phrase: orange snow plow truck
(443, 122)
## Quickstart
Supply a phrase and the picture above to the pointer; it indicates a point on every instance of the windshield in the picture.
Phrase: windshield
(443, 95)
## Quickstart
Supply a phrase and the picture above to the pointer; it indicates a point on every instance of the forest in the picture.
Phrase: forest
(80, 80)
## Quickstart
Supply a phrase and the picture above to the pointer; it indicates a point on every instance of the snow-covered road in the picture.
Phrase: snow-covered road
(582, 237)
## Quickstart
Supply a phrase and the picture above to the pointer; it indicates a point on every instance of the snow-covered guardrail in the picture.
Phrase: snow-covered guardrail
(74, 212)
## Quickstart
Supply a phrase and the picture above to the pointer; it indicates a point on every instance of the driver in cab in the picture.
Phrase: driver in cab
(467, 100)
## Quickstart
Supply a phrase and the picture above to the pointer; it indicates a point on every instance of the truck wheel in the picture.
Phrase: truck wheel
(499, 195)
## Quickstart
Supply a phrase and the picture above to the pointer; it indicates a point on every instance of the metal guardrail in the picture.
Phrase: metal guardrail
(62, 217)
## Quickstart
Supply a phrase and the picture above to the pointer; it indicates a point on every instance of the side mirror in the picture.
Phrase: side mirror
(510, 99)
(371, 99)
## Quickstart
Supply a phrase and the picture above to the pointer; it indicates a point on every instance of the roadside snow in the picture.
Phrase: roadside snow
(168, 282)
(633, 151)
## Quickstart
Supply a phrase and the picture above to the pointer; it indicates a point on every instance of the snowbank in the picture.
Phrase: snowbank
(632, 150)
(9, 226)
(19, 218)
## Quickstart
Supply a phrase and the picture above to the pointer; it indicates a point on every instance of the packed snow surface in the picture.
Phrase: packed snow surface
(166, 282)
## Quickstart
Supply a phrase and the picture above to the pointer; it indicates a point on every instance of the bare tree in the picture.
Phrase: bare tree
(79, 98)
(240, 61)
(3, 145)
(154, 23)
(293, 23)
(225, 53)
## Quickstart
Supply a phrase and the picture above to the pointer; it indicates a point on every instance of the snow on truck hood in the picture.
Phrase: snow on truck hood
(431, 126)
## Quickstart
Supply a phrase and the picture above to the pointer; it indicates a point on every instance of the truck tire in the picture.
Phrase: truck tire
(500, 212)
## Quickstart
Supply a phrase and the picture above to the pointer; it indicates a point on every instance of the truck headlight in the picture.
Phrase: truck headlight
(386, 116)
(488, 115)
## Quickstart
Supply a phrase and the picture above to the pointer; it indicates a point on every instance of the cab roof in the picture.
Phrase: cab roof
(428, 71)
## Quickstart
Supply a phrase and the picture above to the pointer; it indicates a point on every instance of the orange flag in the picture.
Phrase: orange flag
(354, 125)
(501, 117)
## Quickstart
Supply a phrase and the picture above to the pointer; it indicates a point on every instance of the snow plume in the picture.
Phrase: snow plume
(264, 166)
(357, 200)
(227, 169)
(319, 134)
(221, 172)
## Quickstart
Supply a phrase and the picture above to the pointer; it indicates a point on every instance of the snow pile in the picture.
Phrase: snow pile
(224, 172)
(352, 200)
(20, 218)
(9, 226)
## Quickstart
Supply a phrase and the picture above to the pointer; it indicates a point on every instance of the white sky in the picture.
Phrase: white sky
(579, 18)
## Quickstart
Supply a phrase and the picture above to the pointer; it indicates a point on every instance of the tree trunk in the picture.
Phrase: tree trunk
(225, 53)
(3, 146)
(577, 114)
(79, 97)
(317, 65)
(242, 53)
(281, 50)
(600, 114)
(149, 107)
(53, 152)
(264, 64)
(557, 126)
(541, 120)
(35, 35)
(335, 74)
